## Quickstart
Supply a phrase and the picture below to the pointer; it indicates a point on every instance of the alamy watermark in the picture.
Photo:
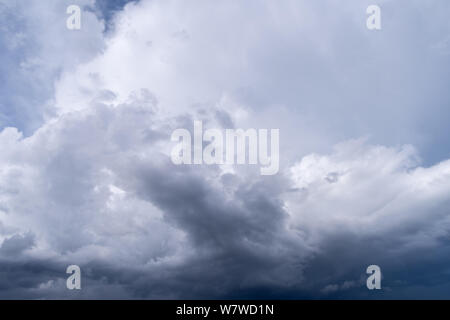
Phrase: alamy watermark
(374, 20)
(73, 22)
(374, 280)
(228, 147)
(74, 280)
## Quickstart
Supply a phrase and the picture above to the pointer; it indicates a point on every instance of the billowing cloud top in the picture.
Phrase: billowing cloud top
(86, 176)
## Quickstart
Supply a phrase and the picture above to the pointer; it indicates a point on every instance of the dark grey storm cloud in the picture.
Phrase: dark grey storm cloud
(86, 176)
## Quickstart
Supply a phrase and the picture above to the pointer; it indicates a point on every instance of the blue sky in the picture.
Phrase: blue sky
(24, 109)
(109, 7)
(86, 177)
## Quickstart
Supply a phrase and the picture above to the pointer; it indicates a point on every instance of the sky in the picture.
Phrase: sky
(86, 177)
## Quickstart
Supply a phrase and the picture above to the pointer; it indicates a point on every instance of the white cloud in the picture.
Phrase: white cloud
(94, 184)
(375, 191)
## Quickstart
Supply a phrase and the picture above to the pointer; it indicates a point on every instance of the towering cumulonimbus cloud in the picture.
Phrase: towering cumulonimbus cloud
(86, 177)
